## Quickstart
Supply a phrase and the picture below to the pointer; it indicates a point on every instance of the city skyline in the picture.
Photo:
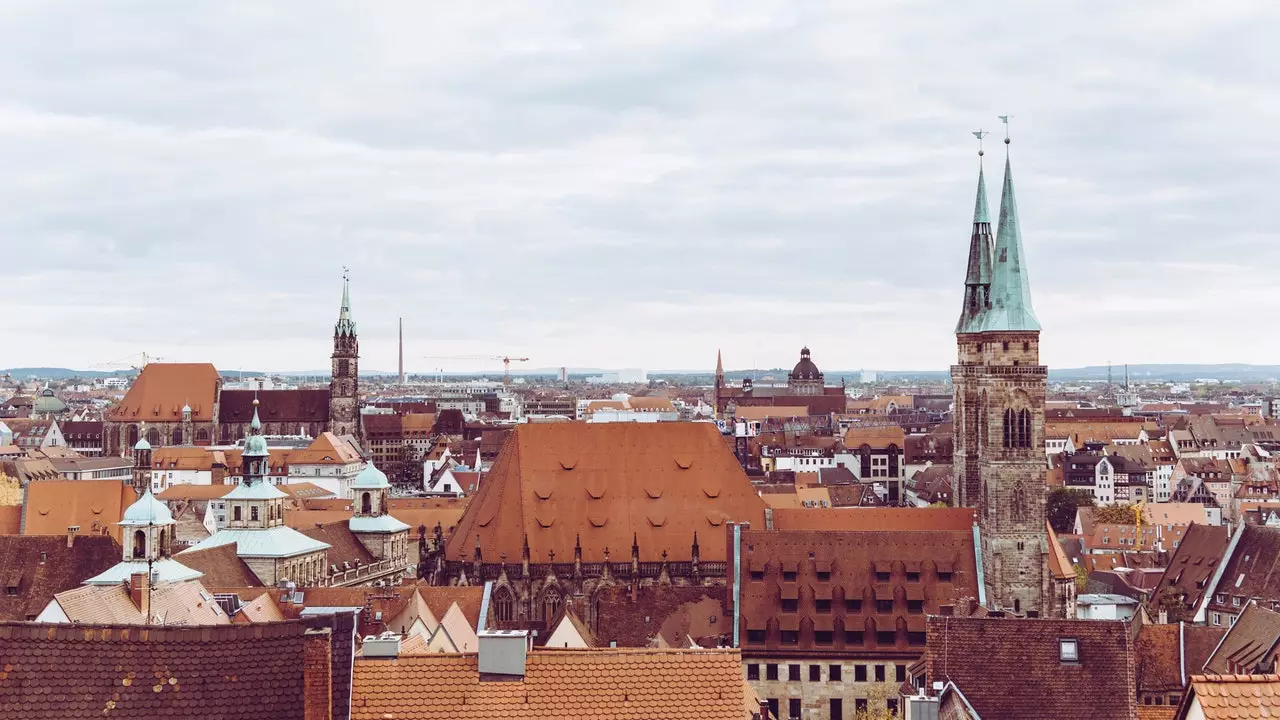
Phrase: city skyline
(615, 191)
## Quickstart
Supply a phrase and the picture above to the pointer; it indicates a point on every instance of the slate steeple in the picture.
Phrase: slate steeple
(977, 280)
(345, 325)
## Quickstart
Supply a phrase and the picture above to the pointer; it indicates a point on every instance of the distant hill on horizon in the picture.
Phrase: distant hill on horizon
(1174, 372)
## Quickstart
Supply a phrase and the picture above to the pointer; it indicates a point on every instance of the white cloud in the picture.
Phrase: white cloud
(600, 184)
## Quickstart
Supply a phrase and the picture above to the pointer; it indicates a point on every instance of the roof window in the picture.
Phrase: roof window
(1068, 650)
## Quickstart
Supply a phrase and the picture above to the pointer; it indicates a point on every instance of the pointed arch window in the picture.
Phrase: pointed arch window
(1024, 428)
(1010, 434)
(550, 603)
(504, 604)
(133, 436)
(153, 436)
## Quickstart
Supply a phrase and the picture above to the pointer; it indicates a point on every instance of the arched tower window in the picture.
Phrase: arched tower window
(550, 603)
(366, 503)
(504, 604)
(133, 436)
(164, 543)
(139, 544)
(1024, 428)
(1010, 435)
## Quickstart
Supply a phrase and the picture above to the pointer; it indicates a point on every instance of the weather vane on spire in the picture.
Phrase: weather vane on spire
(980, 133)
(1005, 119)
(345, 272)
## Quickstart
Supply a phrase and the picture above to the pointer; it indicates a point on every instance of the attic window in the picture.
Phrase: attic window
(1068, 650)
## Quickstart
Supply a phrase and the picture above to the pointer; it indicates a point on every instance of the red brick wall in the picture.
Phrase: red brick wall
(317, 703)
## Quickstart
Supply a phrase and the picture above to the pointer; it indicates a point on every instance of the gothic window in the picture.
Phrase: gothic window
(177, 436)
(202, 436)
(133, 436)
(550, 603)
(1024, 428)
(153, 436)
(504, 604)
(1018, 503)
(1010, 435)
(1017, 428)
(366, 503)
(139, 544)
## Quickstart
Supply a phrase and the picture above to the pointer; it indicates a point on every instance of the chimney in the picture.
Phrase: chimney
(71, 534)
(140, 592)
(317, 671)
(384, 647)
(503, 653)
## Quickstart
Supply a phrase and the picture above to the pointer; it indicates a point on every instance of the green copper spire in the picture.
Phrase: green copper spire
(977, 280)
(345, 325)
(1010, 288)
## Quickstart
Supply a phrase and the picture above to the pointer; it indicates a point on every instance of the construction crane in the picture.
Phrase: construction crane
(136, 361)
(506, 362)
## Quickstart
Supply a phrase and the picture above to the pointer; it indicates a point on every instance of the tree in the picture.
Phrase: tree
(878, 697)
(1118, 514)
(10, 490)
(1170, 600)
(1062, 504)
(1082, 578)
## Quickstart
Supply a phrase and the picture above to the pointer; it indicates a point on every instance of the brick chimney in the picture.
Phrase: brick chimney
(317, 667)
(139, 592)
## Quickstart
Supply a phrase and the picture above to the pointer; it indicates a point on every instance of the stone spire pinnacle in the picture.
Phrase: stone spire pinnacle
(719, 366)
(345, 325)
(1010, 287)
(977, 280)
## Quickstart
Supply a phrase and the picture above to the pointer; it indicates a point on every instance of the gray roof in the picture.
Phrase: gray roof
(165, 570)
(273, 542)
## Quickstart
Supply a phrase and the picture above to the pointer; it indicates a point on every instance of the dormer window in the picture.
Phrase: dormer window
(1068, 650)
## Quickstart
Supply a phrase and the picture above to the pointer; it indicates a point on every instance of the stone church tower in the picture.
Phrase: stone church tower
(344, 395)
(999, 387)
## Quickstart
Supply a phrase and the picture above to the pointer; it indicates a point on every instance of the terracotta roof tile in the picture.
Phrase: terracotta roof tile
(1193, 563)
(864, 518)
(1250, 645)
(1239, 697)
(41, 566)
(1011, 668)
(607, 484)
(161, 390)
(599, 682)
(93, 505)
(63, 672)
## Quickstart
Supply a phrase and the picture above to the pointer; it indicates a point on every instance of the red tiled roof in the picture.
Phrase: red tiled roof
(161, 390)
(608, 484)
(221, 566)
(93, 505)
(41, 566)
(303, 406)
(63, 672)
(1193, 563)
(852, 560)
(1011, 668)
(1239, 697)
(598, 682)
(864, 518)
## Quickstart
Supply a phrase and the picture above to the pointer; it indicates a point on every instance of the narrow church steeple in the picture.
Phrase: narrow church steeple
(344, 383)
(345, 325)
(1010, 288)
(977, 280)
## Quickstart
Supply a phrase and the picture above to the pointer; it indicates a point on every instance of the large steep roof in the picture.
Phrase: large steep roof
(608, 484)
(162, 389)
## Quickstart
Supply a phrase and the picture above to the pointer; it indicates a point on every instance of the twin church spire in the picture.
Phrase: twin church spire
(997, 293)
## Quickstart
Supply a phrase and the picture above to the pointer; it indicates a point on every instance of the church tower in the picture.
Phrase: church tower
(999, 385)
(715, 398)
(344, 396)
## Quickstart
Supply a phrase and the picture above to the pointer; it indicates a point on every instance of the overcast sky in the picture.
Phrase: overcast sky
(639, 184)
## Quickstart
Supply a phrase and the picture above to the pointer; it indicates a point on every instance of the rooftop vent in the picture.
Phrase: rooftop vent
(386, 645)
(503, 652)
